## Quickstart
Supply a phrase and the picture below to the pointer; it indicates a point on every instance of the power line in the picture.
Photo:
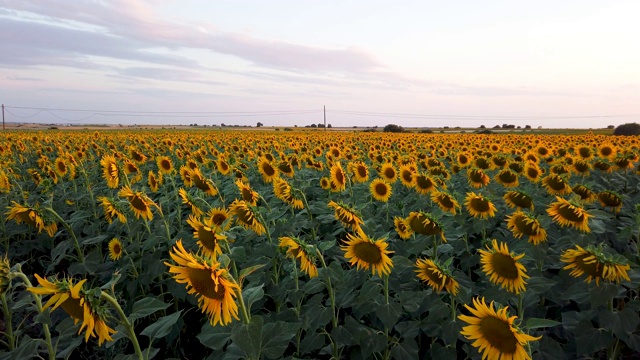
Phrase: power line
(471, 117)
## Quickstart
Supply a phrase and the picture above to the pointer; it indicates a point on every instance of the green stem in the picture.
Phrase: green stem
(453, 308)
(332, 296)
(435, 247)
(7, 322)
(36, 298)
(521, 306)
(306, 206)
(386, 288)
(125, 322)
(246, 318)
(70, 230)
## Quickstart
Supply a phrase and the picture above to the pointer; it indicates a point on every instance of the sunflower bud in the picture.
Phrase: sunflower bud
(5, 267)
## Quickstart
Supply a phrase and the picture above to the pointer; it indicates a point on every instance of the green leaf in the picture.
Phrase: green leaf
(162, 327)
(93, 240)
(115, 277)
(549, 349)
(249, 270)
(406, 349)
(535, 323)
(389, 314)
(214, 337)
(589, 340)
(622, 322)
(248, 337)
(251, 295)
(276, 338)
(146, 307)
(27, 348)
(443, 352)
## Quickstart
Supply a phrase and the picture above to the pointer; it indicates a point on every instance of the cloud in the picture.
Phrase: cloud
(22, 78)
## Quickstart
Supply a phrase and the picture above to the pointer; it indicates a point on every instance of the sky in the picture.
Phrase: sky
(280, 62)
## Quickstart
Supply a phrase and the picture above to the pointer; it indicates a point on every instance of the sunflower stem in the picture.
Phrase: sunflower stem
(386, 288)
(70, 230)
(521, 306)
(246, 318)
(453, 308)
(306, 206)
(332, 296)
(125, 321)
(36, 298)
(7, 321)
(615, 352)
(435, 248)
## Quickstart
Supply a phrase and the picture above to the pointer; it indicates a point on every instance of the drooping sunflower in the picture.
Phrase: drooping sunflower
(165, 165)
(518, 199)
(248, 194)
(586, 194)
(139, 202)
(214, 290)
(477, 178)
(525, 224)
(424, 184)
(610, 199)
(268, 171)
(208, 235)
(402, 227)
(246, 217)
(581, 167)
(78, 304)
(479, 206)
(203, 183)
(154, 181)
(494, 332)
(503, 267)
(436, 276)
(185, 175)
(380, 190)
(445, 201)
(556, 185)
(603, 165)
(360, 171)
(296, 249)
(423, 223)
(338, 178)
(219, 217)
(112, 210)
(595, 264)
(115, 249)
(507, 178)
(347, 215)
(283, 191)
(110, 171)
(5, 269)
(286, 168)
(566, 213)
(31, 216)
(368, 254)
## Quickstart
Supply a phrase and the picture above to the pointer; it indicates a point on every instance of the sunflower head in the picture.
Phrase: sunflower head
(566, 213)
(338, 177)
(248, 194)
(424, 184)
(518, 199)
(112, 209)
(445, 201)
(479, 206)
(423, 223)
(402, 227)
(246, 216)
(494, 332)
(115, 249)
(610, 199)
(507, 178)
(208, 235)
(268, 171)
(477, 178)
(525, 224)
(595, 264)
(436, 276)
(5, 268)
(503, 267)
(219, 218)
(380, 190)
(325, 183)
(297, 249)
(556, 184)
(110, 171)
(586, 194)
(165, 165)
(347, 215)
(31, 216)
(368, 254)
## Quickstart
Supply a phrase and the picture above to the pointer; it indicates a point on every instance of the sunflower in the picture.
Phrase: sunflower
(77, 303)
(296, 249)
(388, 172)
(208, 236)
(556, 185)
(222, 166)
(348, 216)
(610, 199)
(407, 172)
(494, 333)
(286, 168)
(366, 253)
(139, 202)
(445, 201)
(154, 181)
(211, 284)
(115, 249)
(518, 199)
(402, 227)
(338, 178)
(507, 178)
(463, 159)
(246, 216)
(283, 191)
(248, 194)
(503, 267)
(581, 167)
(5, 269)
(61, 167)
(112, 210)
(219, 217)
(360, 171)
(425, 224)
(165, 165)
(436, 276)
(424, 184)
(110, 171)
(595, 264)
(584, 152)
(479, 206)
(524, 224)
(566, 213)
(268, 171)
(185, 175)
(477, 178)
(607, 151)
(532, 171)
(31, 216)
(586, 194)
(130, 168)
(325, 183)
(380, 190)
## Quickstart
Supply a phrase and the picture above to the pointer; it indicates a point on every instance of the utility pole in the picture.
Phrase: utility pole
(324, 108)
(2, 117)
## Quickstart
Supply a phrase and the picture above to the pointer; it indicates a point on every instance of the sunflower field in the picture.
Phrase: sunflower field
(262, 245)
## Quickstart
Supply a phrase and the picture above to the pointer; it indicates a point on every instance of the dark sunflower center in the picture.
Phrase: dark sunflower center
(480, 205)
(556, 183)
(165, 164)
(368, 252)
(482, 163)
(285, 168)
(584, 152)
(591, 268)
(138, 203)
(362, 171)
(504, 266)
(498, 333)
(219, 219)
(424, 226)
(247, 195)
(433, 275)
(207, 238)
(507, 177)
(28, 217)
(113, 170)
(62, 167)
(526, 227)
(389, 173)
(476, 176)
(268, 169)
(600, 165)
(445, 200)
(582, 191)
(407, 176)
(117, 249)
(204, 285)
(381, 189)
(571, 213)
(424, 182)
(610, 199)
(245, 215)
(606, 151)
(72, 307)
(521, 200)
(463, 159)
(533, 172)
(224, 166)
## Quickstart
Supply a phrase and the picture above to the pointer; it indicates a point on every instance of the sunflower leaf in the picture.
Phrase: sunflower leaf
(247, 271)
(146, 307)
(535, 323)
(248, 337)
(162, 326)
(276, 338)
(252, 295)
(389, 314)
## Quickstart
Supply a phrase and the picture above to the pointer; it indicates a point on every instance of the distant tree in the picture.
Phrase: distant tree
(426, 131)
(329, 126)
(313, 125)
(393, 128)
(611, 127)
(482, 127)
(485, 131)
(259, 124)
(527, 126)
(518, 127)
(497, 127)
(627, 129)
(222, 124)
(321, 125)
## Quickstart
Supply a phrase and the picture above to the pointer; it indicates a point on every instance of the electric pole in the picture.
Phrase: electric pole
(324, 110)
(2, 117)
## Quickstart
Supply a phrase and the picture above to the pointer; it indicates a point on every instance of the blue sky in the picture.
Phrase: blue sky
(460, 63)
